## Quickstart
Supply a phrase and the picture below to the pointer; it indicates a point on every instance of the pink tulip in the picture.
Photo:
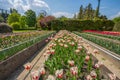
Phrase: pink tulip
(59, 73)
(93, 74)
(74, 70)
(35, 75)
(42, 71)
(95, 51)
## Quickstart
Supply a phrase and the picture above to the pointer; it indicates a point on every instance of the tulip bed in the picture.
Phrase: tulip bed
(69, 60)
(19, 45)
(8, 40)
(106, 36)
(108, 44)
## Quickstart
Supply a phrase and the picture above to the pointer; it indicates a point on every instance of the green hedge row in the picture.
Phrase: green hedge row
(77, 25)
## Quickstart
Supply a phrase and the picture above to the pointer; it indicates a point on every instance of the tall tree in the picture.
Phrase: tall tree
(80, 14)
(98, 8)
(14, 17)
(30, 18)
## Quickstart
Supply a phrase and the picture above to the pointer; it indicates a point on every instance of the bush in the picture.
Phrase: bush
(117, 26)
(77, 25)
(16, 26)
(4, 28)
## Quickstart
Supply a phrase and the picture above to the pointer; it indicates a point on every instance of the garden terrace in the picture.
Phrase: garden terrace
(66, 57)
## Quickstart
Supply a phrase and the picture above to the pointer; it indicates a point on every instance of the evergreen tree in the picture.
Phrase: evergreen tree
(80, 14)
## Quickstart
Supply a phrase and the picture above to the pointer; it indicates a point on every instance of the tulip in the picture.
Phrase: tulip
(77, 51)
(27, 66)
(93, 74)
(80, 47)
(46, 40)
(87, 58)
(74, 70)
(88, 53)
(71, 62)
(97, 66)
(50, 77)
(88, 77)
(35, 75)
(112, 76)
(66, 46)
(42, 71)
(59, 73)
(95, 51)
(52, 51)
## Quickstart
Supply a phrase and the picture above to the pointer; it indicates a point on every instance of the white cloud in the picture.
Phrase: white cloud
(24, 5)
(66, 14)
(116, 15)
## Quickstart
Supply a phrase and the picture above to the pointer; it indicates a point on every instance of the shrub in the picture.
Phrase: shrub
(117, 26)
(4, 28)
(16, 25)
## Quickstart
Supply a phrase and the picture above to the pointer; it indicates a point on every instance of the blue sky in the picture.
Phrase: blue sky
(110, 8)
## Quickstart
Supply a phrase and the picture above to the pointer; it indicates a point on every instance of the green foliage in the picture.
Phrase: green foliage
(1, 19)
(14, 17)
(117, 26)
(78, 25)
(30, 18)
(4, 28)
(16, 25)
(117, 19)
(23, 22)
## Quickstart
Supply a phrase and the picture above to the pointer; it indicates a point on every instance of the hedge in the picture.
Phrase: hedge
(77, 25)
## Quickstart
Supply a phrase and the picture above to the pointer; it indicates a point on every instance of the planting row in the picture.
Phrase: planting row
(68, 60)
(16, 38)
(104, 35)
(104, 32)
(7, 52)
(108, 44)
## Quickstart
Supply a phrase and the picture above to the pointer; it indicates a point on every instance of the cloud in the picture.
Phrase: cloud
(24, 5)
(66, 14)
(116, 15)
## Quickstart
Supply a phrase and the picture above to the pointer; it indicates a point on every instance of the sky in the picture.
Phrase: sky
(57, 8)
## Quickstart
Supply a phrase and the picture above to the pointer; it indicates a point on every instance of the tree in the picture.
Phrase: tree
(1, 19)
(98, 8)
(44, 22)
(22, 22)
(30, 18)
(13, 17)
(80, 15)
(116, 19)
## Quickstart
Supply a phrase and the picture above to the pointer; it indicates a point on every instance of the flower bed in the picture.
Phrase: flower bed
(68, 60)
(104, 32)
(103, 35)
(7, 40)
(7, 52)
(110, 45)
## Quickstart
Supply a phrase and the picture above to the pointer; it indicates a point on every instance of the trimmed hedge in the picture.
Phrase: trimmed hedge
(16, 25)
(77, 25)
(4, 28)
